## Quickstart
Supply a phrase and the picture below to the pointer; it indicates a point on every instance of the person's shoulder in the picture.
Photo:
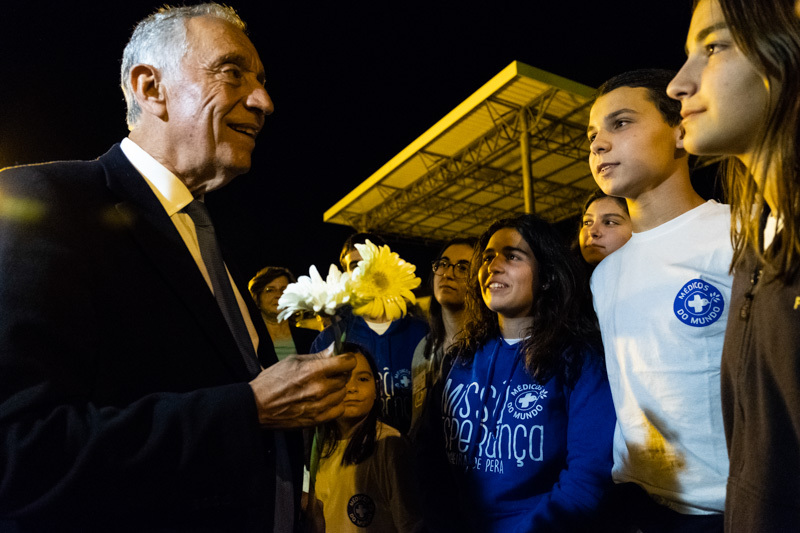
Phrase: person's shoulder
(392, 450)
(593, 357)
(721, 214)
(713, 210)
(414, 323)
(608, 268)
(345, 318)
(60, 176)
(698, 216)
(389, 439)
(587, 366)
(60, 196)
(716, 208)
(42, 174)
(713, 227)
(386, 431)
(322, 340)
(422, 344)
(346, 322)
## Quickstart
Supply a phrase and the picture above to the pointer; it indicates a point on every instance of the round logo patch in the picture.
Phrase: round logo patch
(361, 510)
(698, 304)
(525, 401)
(402, 379)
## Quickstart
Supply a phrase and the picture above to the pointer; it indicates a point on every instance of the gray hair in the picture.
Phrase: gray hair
(160, 41)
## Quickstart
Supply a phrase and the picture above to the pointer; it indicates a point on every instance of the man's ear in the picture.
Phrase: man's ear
(148, 90)
(679, 134)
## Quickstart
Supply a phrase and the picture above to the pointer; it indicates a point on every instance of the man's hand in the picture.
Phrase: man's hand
(302, 390)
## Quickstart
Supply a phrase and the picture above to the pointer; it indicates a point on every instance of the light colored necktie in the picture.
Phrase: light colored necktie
(223, 291)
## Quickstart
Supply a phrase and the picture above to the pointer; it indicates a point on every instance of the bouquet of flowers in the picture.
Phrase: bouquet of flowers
(312, 293)
(381, 284)
(379, 288)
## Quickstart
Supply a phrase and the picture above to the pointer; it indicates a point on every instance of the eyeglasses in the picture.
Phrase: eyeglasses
(460, 269)
(273, 290)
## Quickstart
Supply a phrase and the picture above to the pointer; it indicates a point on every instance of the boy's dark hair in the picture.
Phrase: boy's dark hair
(655, 80)
(362, 443)
(358, 238)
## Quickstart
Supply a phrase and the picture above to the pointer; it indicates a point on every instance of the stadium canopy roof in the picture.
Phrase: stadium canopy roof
(518, 144)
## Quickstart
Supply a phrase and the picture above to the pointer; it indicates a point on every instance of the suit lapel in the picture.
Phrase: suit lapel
(161, 243)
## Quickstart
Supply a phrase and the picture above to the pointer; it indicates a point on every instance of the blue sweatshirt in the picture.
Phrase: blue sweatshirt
(527, 457)
(393, 352)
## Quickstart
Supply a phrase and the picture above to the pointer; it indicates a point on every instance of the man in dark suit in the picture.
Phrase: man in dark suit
(126, 403)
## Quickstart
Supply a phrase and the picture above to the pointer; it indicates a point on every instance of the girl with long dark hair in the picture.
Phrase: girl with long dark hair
(739, 98)
(525, 408)
(448, 283)
(365, 471)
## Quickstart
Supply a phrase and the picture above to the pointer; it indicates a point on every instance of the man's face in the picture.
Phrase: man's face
(632, 149)
(216, 104)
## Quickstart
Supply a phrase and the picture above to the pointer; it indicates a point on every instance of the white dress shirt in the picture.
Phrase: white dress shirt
(173, 195)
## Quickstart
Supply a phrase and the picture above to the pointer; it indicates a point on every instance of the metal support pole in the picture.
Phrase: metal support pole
(525, 156)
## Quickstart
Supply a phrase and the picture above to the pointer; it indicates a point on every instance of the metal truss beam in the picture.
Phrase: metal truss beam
(547, 133)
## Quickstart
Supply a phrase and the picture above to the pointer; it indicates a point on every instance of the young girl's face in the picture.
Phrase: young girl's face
(724, 98)
(360, 391)
(508, 274)
(604, 228)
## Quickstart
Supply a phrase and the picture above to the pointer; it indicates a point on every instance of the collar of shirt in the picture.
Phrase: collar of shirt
(170, 191)
(173, 195)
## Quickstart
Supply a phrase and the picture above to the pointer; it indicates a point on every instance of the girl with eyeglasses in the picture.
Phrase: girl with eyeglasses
(448, 281)
(739, 98)
(522, 418)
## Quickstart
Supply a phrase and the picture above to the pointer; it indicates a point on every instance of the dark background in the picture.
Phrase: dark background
(353, 84)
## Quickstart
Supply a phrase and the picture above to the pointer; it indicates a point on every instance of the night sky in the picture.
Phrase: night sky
(353, 84)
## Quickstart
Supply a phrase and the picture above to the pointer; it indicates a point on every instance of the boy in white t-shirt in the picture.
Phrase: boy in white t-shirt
(662, 303)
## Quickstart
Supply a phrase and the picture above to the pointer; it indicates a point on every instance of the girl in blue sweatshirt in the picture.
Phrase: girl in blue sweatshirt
(525, 409)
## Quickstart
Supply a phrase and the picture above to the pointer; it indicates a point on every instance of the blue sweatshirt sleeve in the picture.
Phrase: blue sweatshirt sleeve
(576, 496)
(323, 340)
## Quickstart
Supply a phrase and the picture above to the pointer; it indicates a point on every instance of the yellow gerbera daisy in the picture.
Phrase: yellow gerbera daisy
(381, 284)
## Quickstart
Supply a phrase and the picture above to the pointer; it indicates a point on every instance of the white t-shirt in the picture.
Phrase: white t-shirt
(662, 301)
